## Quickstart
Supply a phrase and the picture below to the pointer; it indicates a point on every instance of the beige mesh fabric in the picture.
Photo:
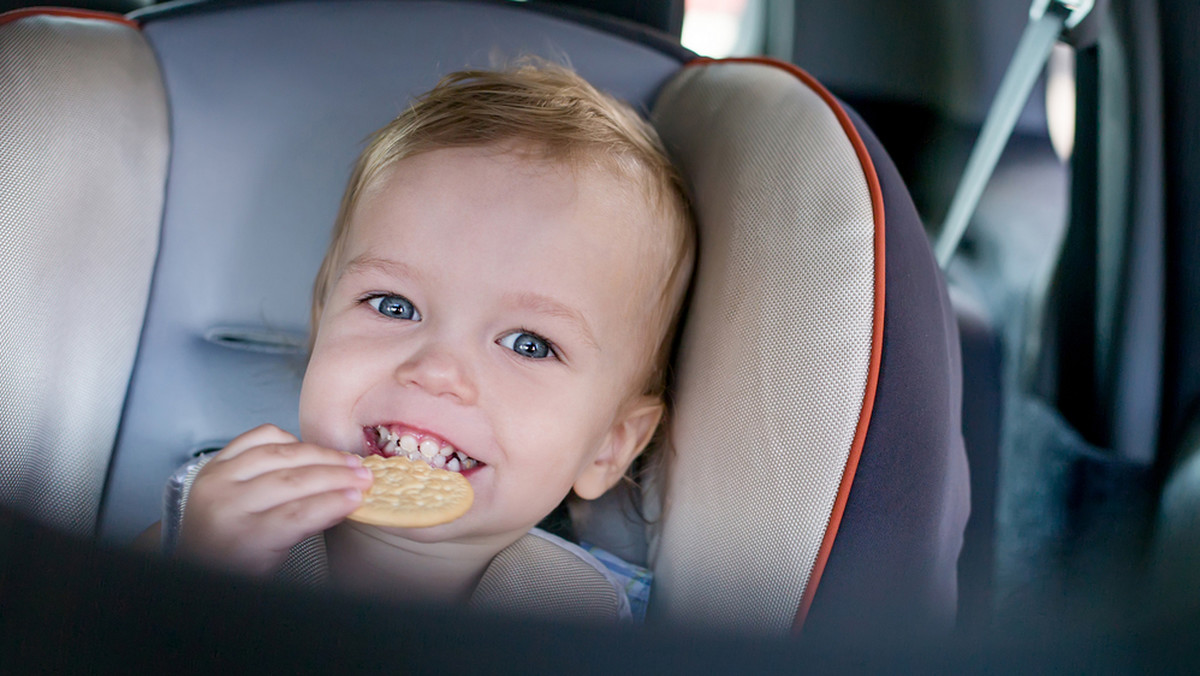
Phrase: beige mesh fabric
(307, 564)
(776, 346)
(536, 577)
(83, 157)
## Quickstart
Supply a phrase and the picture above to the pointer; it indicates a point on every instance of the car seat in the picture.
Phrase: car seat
(166, 189)
(928, 99)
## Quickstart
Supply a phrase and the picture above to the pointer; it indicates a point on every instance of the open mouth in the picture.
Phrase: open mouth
(393, 440)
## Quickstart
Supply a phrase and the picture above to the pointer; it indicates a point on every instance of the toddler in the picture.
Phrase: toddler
(504, 278)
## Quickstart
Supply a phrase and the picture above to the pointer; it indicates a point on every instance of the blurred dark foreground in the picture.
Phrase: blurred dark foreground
(68, 605)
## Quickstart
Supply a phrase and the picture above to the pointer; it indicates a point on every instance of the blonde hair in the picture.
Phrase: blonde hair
(562, 118)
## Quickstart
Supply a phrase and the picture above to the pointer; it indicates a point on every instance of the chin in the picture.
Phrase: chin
(427, 535)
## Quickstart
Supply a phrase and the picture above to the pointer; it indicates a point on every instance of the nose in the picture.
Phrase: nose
(440, 373)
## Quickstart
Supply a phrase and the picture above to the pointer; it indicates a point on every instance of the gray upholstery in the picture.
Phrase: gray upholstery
(264, 132)
(776, 349)
(83, 158)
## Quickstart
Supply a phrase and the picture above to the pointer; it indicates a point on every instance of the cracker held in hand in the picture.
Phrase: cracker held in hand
(411, 494)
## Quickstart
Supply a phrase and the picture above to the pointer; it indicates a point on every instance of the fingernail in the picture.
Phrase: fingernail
(353, 494)
(363, 472)
(353, 460)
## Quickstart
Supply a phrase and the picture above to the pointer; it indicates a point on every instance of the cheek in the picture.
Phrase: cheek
(328, 390)
(310, 407)
(557, 431)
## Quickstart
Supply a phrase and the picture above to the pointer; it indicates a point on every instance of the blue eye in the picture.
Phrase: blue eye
(396, 307)
(527, 345)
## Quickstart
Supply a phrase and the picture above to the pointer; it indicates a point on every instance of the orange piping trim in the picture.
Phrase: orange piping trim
(864, 419)
(18, 14)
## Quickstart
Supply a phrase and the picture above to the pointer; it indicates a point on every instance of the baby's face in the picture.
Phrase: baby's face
(491, 304)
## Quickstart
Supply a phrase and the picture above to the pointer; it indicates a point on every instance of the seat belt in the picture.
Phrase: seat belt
(1048, 21)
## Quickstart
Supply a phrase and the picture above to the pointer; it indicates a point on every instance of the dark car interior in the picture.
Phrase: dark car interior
(1044, 379)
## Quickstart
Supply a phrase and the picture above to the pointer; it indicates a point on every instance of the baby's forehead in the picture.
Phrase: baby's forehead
(641, 223)
(623, 179)
(485, 213)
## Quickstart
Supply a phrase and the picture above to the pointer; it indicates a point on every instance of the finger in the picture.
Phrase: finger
(259, 460)
(263, 434)
(279, 487)
(291, 523)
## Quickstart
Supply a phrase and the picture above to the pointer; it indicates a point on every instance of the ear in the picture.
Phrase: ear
(630, 433)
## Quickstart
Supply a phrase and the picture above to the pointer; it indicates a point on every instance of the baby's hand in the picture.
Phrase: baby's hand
(263, 493)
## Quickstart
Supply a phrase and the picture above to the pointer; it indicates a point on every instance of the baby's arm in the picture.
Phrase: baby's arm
(263, 493)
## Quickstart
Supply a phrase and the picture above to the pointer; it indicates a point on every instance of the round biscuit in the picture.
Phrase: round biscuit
(411, 494)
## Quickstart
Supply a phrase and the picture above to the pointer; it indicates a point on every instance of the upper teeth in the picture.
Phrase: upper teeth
(429, 448)
(437, 454)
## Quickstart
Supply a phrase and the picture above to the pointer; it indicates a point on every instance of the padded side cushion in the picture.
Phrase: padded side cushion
(892, 568)
(541, 576)
(777, 347)
(83, 159)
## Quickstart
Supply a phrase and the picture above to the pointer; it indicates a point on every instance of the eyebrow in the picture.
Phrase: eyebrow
(548, 306)
(368, 263)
